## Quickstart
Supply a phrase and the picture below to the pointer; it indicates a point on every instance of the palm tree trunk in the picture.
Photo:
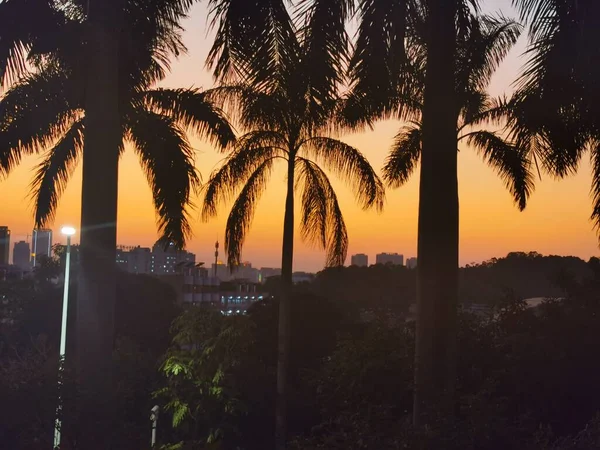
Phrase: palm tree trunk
(437, 269)
(96, 295)
(283, 341)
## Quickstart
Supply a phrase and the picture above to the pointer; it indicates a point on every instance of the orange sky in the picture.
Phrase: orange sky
(556, 220)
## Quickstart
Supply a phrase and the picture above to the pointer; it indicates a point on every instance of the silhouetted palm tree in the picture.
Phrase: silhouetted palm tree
(94, 64)
(44, 113)
(286, 76)
(395, 41)
(482, 49)
(555, 112)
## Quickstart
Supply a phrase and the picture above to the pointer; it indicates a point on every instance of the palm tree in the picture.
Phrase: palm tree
(555, 112)
(285, 75)
(90, 91)
(405, 51)
(482, 49)
(281, 134)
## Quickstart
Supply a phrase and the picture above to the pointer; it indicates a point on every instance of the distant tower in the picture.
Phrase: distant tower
(216, 257)
(4, 245)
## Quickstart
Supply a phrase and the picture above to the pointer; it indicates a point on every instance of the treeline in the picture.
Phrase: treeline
(519, 274)
(527, 379)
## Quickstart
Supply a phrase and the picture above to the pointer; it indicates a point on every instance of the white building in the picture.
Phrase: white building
(360, 260)
(390, 258)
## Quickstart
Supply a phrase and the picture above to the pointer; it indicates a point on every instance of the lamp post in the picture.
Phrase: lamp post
(68, 232)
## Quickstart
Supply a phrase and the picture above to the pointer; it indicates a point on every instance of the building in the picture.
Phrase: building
(4, 246)
(221, 271)
(246, 272)
(42, 244)
(22, 255)
(195, 287)
(360, 260)
(411, 263)
(165, 259)
(138, 260)
(268, 272)
(390, 258)
(122, 257)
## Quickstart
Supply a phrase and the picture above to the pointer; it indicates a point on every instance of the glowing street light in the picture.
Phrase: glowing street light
(68, 232)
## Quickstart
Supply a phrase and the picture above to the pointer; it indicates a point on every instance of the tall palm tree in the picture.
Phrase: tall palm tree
(555, 112)
(286, 75)
(91, 89)
(483, 47)
(283, 133)
(405, 54)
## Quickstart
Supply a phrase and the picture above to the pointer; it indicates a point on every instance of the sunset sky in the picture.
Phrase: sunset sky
(556, 220)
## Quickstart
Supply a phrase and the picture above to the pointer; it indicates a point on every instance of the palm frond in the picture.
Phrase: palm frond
(168, 162)
(249, 107)
(255, 42)
(484, 109)
(33, 114)
(191, 109)
(242, 212)
(150, 40)
(595, 190)
(554, 138)
(379, 55)
(404, 156)
(539, 14)
(347, 162)
(322, 220)
(484, 46)
(510, 162)
(25, 23)
(53, 173)
(325, 48)
(252, 150)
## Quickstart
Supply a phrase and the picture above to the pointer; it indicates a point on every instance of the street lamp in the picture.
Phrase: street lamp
(68, 232)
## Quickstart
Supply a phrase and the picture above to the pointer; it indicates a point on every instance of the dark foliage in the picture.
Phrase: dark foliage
(29, 356)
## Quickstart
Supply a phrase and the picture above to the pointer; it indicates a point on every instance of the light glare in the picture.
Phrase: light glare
(67, 231)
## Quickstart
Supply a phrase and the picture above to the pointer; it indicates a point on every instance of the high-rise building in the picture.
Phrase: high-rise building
(411, 263)
(138, 260)
(390, 258)
(360, 260)
(164, 260)
(42, 244)
(122, 257)
(22, 255)
(4, 245)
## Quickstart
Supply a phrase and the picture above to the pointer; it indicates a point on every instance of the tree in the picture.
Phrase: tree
(555, 112)
(406, 51)
(482, 44)
(90, 91)
(286, 75)
(481, 48)
(289, 137)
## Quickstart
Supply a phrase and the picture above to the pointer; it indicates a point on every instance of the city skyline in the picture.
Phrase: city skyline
(556, 220)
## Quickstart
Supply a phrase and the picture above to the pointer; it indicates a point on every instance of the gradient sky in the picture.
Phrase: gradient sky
(556, 220)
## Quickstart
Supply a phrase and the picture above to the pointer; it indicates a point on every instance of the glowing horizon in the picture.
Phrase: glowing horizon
(556, 220)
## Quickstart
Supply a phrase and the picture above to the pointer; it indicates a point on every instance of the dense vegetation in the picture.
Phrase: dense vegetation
(527, 378)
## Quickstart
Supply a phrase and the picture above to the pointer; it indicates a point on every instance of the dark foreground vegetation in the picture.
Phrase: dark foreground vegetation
(527, 378)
